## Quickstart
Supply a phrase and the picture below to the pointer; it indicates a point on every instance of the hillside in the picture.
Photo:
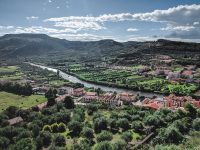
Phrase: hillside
(43, 46)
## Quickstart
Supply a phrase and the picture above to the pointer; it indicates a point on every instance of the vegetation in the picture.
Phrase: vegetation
(9, 99)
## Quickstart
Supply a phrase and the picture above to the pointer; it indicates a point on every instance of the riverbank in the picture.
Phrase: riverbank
(76, 79)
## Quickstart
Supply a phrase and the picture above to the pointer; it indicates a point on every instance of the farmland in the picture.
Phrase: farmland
(9, 99)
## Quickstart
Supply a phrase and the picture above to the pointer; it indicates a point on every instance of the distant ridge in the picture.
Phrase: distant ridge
(25, 45)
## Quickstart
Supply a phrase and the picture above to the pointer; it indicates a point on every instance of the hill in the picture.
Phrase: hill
(41, 45)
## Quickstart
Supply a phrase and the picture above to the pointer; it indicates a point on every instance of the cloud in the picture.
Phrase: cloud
(32, 18)
(81, 37)
(179, 14)
(83, 25)
(182, 19)
(132, 29)
(34, 29)
(178, 28)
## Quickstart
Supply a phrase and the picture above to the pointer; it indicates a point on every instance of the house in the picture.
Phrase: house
(126, 97)
(153, 103)
(90, 96)
(65, 90)
(40, 90)
(196, 103)
(109, 98)
(174, 101)
(79, 92)
(15, 120)
(173, 75)
(61, 97)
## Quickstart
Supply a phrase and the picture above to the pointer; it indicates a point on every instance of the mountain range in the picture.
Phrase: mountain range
(29, 45)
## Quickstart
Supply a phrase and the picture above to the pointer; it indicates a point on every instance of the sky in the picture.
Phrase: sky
(88, 20)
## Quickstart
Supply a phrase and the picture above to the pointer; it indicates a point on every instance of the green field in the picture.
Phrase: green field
(58, 83)
(8, 99)
(8, 69)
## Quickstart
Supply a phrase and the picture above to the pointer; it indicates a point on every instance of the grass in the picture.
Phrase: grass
(57, 83)
(8, 69)
(9, 99)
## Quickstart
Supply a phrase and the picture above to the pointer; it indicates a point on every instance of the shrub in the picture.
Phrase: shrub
(127, 136)
(88, 133)
(47, 128)
(61, 127)
(100, 124)
(120, 145)
(103, 146)
(104, 136)
(196, 124)
(123, 123)
(54, 128)
(4, 142)
(25, 144)
(75, 127)
(59, 140)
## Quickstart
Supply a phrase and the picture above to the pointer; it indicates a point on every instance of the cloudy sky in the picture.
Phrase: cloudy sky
(121, 20)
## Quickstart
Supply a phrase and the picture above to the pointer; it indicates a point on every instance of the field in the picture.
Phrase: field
(10, 73)
(8, 99)
(8, 69)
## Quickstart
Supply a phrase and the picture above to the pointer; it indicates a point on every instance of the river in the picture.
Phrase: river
(103, 87)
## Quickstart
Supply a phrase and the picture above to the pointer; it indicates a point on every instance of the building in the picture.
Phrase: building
(126, 97)
(153, 103)
(173, 101)
(40, 90)
(65, 90)
(109, 98)
(90, 97)
(15, 120)
(79, 92)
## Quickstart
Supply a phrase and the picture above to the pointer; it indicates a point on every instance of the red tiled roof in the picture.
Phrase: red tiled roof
(187, 72)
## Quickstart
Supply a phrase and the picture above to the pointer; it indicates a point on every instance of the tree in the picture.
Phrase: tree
(4, 142)
(120, 145)
(24, 134)
(170, 135)
(51, 101)
(69, 102)
(123, 123)
(82, 145)
(24, 144)
(100, 124)
(47, 128)
(54, 128)
(63, 117)
(35, 130)
(127, 136)
(103, 146)
(87, 133)
(137, 126)
(104, 136)
(50, 94)
(59, 140)
(196, 124)
(113, 123)
(153, 120)
(45, 138)
(75, 127)
(61, 127)
(192, 112)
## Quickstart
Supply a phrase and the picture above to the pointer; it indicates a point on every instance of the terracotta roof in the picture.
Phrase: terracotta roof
(79, 90)
(91, 94)
(187, 72)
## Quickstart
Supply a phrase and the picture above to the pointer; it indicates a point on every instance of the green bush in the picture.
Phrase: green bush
(104, 136)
